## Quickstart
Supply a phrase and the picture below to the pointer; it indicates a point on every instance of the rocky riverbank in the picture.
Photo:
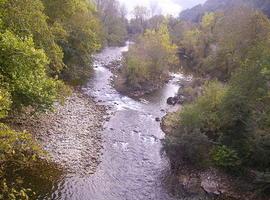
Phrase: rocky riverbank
(213, 181)
(71, 134)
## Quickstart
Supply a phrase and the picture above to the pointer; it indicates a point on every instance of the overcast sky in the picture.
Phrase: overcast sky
(173, 7)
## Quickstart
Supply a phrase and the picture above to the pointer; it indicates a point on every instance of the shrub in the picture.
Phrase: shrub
(189, 148)
(5, 103)
(18, 152)
(204, 113)
(24, 170)
(199, 123)
(226, 158)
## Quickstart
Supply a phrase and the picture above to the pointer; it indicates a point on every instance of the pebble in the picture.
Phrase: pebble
(73, 131)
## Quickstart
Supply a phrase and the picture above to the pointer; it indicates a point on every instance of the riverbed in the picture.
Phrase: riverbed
(132, 164)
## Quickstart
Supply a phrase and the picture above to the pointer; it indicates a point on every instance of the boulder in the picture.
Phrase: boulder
(158, 119)
(172, 101)
(210, 187)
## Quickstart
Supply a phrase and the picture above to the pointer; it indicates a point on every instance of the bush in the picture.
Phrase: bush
(18, 153)
(199, 123)
(226, 158)
(204, 113)
(190, 148)
(5, 103)
(23, 166)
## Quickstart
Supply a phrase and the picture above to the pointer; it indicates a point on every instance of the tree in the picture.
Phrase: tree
(23, 73)
(154, 8)
(138, 23)
(80, 35)
(223, 41)
(26, 18)
(149, 60)
(113, 17)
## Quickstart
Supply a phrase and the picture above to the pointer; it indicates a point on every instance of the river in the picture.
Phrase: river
(132, 165)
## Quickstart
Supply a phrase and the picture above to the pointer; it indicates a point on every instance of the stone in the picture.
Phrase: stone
(172, 101)
(210, 187)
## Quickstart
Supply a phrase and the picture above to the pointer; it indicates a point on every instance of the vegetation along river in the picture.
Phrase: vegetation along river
(132, 165)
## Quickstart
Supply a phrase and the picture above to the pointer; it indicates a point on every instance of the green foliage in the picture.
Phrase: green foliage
(198, 123)
(178, 29)
(262, 180)
(23, 166)
(149, 60)
(230, 32)
(187, 147)
(261, 151)
(18, 153)
(5, 103)
(78, 32)
(208, 20)
(25, 18)
(241, 108)
(36, 39)
(222, 42)
(234, 115)
(23, 72)
(226, 158)
(203, 114)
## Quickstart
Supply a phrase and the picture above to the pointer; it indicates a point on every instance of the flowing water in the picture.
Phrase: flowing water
(132, 165)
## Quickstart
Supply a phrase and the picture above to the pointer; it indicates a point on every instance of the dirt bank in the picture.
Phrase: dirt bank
(71, 134)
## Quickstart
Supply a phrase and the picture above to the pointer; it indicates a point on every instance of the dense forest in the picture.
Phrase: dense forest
(46, 52)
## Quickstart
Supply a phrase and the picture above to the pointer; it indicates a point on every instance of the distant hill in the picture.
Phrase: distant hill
(195, 14)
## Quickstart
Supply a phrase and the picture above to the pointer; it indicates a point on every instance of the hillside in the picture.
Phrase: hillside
(194, 14)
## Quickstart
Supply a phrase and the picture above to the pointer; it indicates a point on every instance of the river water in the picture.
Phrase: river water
(132, 165)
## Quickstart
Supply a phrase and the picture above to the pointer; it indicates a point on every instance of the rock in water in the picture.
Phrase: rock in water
(172, 101)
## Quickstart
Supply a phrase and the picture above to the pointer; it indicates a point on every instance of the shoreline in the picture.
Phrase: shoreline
(71, 134)
(210, 180)
(118, 82)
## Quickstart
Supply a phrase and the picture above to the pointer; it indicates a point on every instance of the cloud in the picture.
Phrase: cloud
(188, 3)
(171, 7)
